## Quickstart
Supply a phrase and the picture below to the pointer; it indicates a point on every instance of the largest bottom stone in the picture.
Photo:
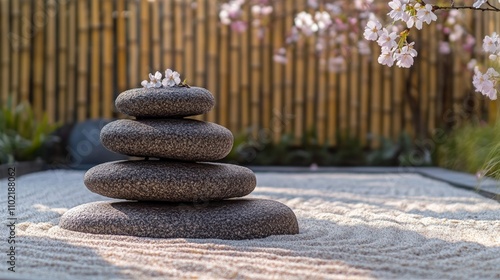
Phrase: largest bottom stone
(229, 219)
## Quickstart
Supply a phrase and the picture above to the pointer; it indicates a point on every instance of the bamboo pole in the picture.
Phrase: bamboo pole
(245, 77)
(199, 78)
(145, 42)
(223, 77)
(155, 36)
(50, 65)
(15, 42)
(288, 111)
(168, 34)
(278, 114)
(121, 46)
(266, 73)
(5, 46)
(38, 61)
(62, 59)
(332, 107)
(386, 109)
(364, 100)
(188, 51)
(83, 43)
(95, 65)
(234, 80)
(25, 55)
(212, 58)
(343, 104)
(133, 51)
(354, 94)
(376, 111)
(309, 88)
(107, 60)
(178, 35)
(255, 83)
(72, 69)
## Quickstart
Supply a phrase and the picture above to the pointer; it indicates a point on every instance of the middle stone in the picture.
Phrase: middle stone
(181, 139)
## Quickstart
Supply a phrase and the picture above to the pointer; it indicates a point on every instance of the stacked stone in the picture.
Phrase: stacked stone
(175, 191)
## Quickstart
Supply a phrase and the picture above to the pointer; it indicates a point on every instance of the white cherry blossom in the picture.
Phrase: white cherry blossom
(372, 30)
(172, 78)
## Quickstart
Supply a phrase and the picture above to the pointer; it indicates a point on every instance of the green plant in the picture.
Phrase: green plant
(21, 134)
(469, 147)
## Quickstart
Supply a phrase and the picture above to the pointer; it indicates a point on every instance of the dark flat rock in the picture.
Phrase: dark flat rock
(180, 139)
(165, 102)
(170, 181)
(227, 219)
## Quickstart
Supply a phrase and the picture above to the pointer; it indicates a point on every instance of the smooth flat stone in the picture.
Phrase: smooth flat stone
(165, 102)
(227, 219)
(170, 181)
(181, 139)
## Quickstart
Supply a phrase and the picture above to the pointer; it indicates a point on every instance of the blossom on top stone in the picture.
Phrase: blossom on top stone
(155, 81)
(172, 78)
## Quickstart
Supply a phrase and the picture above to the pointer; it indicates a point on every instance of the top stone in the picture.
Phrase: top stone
(165, 102)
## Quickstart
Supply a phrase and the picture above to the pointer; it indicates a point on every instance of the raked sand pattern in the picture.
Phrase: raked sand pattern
(356, 226)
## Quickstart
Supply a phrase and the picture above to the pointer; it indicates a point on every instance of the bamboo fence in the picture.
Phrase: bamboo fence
(71, 58)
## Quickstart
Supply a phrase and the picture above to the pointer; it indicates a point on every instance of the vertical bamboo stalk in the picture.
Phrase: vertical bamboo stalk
(188, 52)
(255, 83)
(266, 89)
(234, 80)
(212, 58)
(133, 50)
(309, 89)
(321, 104)
(376, 111)
(72, 69)
(245, 75)
(343, 104)
(386, 111)
(16, 46)
(200, 43)
(145, 38)
(50, 65)
(178, 35)
(121, 46)
(155, 35)
(431, 123)
(95, 66)
(353, 93)
(223, 78)
(38, 60)
(25, 55)
(168, 34)
(333, 112)
(5, 47)
(289, 111)
(83, 45)
(298, 94)
(278, 114)
(62, 51)
(364, 99)
(107, 60)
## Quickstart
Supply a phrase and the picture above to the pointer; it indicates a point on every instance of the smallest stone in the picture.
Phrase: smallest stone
(168, 102)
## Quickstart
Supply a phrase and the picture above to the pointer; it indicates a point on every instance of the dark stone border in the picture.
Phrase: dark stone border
(487, 187)
(23, 167)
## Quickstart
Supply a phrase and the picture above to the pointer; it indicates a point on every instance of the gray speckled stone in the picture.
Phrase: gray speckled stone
(227, 219)
(170, 181)
(181, 139)
(165, 102)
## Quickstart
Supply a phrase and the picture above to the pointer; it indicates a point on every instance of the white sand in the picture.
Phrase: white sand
(352, 226)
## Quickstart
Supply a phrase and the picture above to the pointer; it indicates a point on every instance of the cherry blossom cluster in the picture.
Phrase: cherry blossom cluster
(231, 14)
(394, 44)
(487, 83)
(334, 24)
(172, 78)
